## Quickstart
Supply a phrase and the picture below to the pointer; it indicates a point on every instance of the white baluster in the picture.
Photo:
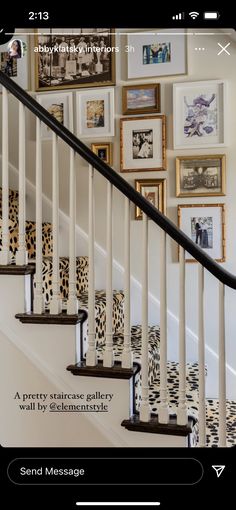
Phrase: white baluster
(108, 354)
(201, 359)
(72, 303)
(222, 367)
(127, 355)
(56, 303)
(145, 407)
(21, 254)
(91, 355)
(5, 254)
(182, 416)
(38, 280)
(163, 412)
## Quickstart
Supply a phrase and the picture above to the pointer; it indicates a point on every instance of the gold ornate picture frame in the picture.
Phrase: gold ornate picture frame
(153, 190)
(200, 176)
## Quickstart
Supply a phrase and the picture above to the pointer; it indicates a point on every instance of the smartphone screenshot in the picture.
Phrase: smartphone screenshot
(117, 258)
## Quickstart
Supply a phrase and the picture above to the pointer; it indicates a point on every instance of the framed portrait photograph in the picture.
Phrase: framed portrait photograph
(14, 56)
(141, 99)
(61, 107)
(95, 113)
(103, 151)
(158, 53)
(199, 114)
(143, 143)
(153, 190)
(205, 225)
(82, 58)
(200, 176)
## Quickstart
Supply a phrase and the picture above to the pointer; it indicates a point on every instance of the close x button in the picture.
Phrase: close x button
(105, 471)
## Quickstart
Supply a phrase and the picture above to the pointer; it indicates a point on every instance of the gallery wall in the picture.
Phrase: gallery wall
(205, 65)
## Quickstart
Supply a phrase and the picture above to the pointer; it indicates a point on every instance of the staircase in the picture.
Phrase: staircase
(157, 401)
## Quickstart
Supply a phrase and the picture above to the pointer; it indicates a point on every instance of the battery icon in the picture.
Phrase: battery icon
(211, 15)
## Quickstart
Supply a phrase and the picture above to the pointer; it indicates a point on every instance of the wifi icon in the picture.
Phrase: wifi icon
(194, 14)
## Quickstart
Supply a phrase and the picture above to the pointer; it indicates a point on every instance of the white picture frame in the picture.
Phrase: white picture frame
(61, 106)
(204, 224)
(95, 113)
(199, 114)
(21, 65)
(158, 53)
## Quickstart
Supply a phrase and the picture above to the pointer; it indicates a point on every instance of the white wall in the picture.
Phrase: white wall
(35, 428)
(201, 66)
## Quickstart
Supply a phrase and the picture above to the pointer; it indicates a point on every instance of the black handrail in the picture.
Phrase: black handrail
(121, 184)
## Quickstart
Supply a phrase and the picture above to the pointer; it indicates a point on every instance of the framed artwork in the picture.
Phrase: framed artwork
(61, 107)
(205, 225)
(103, 151)
(143, 143)
(153, 190)
(81, 58)
(199, 114)
(141, 99)
(200, 176)
(95, 113)
(158, 53)
(14, 57)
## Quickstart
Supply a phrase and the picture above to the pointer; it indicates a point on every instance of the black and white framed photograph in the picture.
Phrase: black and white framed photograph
(81, 57)
(95, 112)
(158, 53)
(14, 57)
(60, 106)
(204, 224)
(199, 176)
(199, 114)
(143, 143)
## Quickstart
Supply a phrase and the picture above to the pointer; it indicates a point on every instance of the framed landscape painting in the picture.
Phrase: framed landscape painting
(153, 190)
(141, 99)
(79, 58)
(95, 113)
(199, 176)
(199, 114)
(158, 53)
(143, 143)
(61, 108)
(204, 224)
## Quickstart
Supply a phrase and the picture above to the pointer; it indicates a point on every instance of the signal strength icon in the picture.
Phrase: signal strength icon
(178, 16)
(194, 14)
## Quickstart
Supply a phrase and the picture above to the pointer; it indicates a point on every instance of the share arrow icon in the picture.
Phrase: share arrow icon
(219, 470)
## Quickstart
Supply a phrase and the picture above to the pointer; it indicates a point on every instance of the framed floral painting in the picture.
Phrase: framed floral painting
(199, 114)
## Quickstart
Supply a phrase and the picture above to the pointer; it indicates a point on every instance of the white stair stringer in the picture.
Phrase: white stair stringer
(50, 349)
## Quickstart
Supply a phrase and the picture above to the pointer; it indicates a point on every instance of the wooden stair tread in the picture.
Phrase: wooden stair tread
(115, 372)
(154, 427)
(13, 269)
(47, 318)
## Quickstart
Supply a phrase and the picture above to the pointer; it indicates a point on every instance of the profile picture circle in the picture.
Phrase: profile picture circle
(15, 48)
